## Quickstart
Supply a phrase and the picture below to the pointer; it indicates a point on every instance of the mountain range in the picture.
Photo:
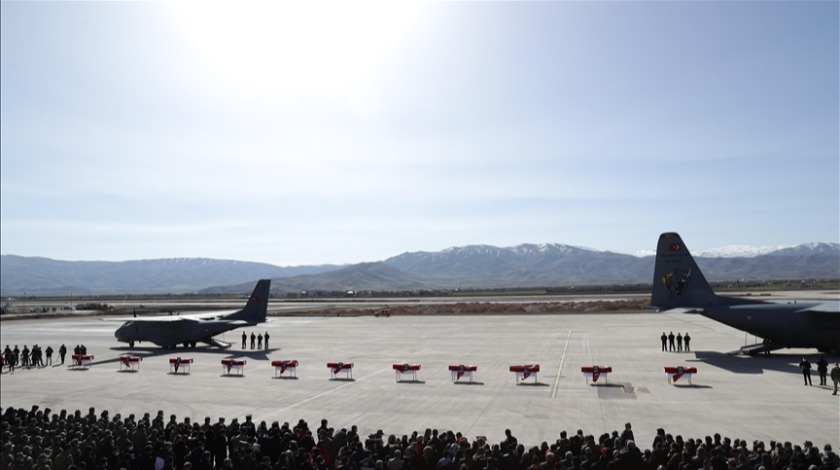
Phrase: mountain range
(467, 267)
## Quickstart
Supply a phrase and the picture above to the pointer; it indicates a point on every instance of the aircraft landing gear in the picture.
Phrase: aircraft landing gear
(131, 344)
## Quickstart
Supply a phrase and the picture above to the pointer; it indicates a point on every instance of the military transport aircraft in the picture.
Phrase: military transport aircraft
(679, 284)
(169, 331)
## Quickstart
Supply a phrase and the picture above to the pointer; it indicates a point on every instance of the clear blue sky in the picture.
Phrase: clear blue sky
(311, 133)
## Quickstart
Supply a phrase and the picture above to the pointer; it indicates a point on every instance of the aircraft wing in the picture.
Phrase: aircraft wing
(162, 318)
(170, 318)
(825, 307)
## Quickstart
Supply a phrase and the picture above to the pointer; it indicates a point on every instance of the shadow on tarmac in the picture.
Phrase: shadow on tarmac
(788, 363)
(154, 351)
(690, 386)
(533, 384)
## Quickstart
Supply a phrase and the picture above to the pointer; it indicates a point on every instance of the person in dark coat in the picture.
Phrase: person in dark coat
(822, 369)
(806, 371)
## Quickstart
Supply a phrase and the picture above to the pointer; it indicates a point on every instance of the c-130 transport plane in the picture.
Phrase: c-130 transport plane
(679, 284)
(169, 331)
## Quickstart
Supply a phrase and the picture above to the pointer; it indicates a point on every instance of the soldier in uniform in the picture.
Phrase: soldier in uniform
(9, 357)
(24, 357)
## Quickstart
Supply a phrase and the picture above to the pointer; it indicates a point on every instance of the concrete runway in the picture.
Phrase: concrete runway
(744, 397)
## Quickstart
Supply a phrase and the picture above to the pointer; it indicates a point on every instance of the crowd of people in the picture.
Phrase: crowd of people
(38, 439)
(35, 357)
(14, 357)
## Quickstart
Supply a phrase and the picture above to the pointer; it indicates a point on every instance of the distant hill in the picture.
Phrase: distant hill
(548, 265)
(523, 266)
(475, 266)
(44, 276)
(377, 276)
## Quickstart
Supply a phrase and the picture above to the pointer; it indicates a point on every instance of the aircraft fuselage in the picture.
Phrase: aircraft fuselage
(792, 325)
(170, 333)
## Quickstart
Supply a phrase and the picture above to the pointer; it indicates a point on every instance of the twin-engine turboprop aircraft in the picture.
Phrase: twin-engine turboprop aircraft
(169, 331)
(679, 284)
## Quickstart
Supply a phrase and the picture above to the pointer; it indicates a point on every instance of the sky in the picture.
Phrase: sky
(300, 133)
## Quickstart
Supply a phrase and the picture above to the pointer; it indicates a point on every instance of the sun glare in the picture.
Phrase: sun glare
(283, 50)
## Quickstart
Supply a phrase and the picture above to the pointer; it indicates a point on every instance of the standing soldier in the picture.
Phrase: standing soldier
(679, 342)
(49, 352)
(37, 360)
(259, 341)
(253, 340)
(687, 338)
(244, 339)
(266, 340)
(62, 351)
(664, 339)
(822, 369)
(24, 357)
(10, 358)
(835, 376)
(671, 341)
(806, 371)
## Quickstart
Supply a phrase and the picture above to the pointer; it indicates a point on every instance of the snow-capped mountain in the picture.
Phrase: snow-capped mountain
(750, 251)
(475, 266)
(739, 251)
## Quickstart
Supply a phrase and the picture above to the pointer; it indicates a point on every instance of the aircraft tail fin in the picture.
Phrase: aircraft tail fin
(255, 309)
(677, 281)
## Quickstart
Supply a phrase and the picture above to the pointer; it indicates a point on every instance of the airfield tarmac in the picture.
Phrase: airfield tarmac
(744, 397)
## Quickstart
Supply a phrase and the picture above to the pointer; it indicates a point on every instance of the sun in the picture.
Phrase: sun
(277, 49)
